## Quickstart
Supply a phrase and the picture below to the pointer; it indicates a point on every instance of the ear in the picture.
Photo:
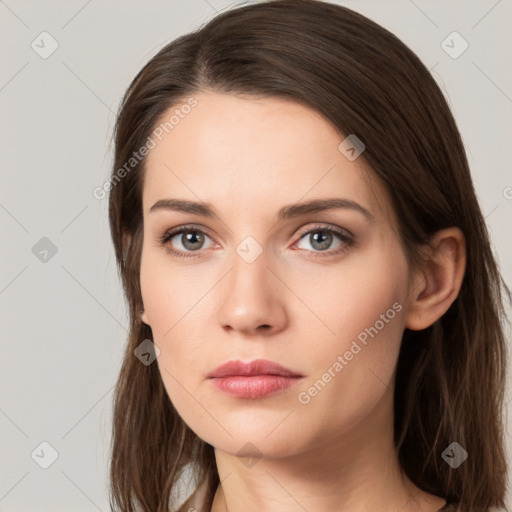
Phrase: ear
(438, 283)
(144, 317)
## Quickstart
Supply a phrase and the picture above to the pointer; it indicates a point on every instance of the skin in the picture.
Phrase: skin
(248, 158)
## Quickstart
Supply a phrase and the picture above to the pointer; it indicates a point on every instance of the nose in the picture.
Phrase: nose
(251, 298)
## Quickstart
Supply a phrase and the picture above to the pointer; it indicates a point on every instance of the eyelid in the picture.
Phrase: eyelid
(169, 234)
(327, 227)
(346, 236)
(301, 232)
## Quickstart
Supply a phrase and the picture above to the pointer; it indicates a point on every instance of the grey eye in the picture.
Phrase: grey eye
(320, 240)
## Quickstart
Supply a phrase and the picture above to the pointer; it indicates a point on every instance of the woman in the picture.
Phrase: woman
(315, 308)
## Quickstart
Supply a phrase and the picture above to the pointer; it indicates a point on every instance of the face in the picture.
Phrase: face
(258, 275)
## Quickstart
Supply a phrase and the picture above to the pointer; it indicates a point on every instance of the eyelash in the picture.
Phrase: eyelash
(347, 239)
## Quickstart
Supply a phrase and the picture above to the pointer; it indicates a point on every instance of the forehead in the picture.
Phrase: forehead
(250, 154)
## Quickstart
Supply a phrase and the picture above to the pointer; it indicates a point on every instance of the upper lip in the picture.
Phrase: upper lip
(256, 367)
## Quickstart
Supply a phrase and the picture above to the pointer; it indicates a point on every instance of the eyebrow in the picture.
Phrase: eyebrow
(286, 212)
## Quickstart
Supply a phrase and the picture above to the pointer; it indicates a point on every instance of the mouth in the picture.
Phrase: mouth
(255, 379)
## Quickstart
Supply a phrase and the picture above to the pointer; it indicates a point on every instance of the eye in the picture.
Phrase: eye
(321, 238)
(187, 239)
(184, 241)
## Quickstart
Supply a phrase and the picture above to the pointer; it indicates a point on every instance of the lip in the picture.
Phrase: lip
(255, 379)
(255, 367)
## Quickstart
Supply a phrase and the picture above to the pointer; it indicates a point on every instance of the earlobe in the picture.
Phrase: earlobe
(144, 317)
(438, 283)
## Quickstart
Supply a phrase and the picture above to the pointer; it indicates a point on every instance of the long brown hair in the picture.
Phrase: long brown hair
(365, 81)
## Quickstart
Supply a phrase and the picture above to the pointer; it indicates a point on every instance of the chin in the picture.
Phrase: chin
(256, 442)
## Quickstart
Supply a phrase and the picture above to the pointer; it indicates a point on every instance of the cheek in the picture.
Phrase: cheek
(169, 293)
(353, 368)
(353, 299)
(174, 301)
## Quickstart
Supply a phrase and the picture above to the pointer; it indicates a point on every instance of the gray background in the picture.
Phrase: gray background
(63, 315)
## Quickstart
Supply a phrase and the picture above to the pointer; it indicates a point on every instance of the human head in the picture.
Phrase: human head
(373, 87)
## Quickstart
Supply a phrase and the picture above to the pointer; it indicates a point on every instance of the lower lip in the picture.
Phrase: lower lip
(255, 386)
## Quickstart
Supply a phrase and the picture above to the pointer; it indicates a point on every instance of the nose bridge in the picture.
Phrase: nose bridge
(250, 262)
(249, 297)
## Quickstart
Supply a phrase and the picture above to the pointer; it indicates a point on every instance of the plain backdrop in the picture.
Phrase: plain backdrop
(64, 68)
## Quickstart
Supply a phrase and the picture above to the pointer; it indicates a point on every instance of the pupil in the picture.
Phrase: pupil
(324, 240)
(191, 238)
